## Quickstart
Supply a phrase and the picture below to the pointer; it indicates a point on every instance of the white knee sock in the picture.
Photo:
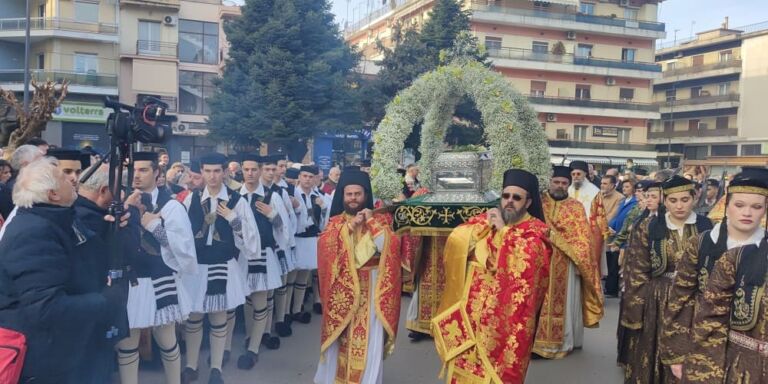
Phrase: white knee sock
(217, 337)
(165, 336)
(128, 357)
(231, 319)
(299, 288)
(193, 333)
(259, 301)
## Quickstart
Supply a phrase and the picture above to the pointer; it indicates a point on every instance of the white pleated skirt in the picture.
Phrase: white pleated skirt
(142, 305)
(306, 253)
(262, 281)
(196, 285)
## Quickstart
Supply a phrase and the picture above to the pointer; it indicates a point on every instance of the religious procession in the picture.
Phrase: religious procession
(281, 195)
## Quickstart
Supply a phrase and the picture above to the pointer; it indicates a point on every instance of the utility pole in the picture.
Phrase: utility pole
(26, 61)
(671, 131)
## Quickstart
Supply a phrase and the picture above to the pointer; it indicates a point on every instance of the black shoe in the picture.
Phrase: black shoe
(283, 329)
(271, 342)
(303, 317)
(318, 308)
(417, 336)
(188, 375)
(288, 320)
(246, 361)
(215, 377)
(224, 359)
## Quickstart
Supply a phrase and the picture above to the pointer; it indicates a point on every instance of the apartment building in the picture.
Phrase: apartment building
(71, 40)
(587, 66)
(712, 99)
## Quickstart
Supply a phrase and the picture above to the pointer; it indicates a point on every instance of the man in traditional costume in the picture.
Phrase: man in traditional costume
(224, 229)
(166, 251)
(359, 270)
(502, 254)
(264, 273)
(574, 298)
(693, 270)
(652, 256)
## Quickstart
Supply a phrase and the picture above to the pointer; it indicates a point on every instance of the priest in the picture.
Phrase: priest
(503, 253)
(359, 272)
(574, 298)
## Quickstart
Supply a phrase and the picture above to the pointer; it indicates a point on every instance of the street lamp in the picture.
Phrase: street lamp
(672, 123)
(26, 61)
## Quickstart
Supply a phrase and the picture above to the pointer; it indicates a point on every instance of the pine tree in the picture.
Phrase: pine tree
(446, 21)
(288, 76)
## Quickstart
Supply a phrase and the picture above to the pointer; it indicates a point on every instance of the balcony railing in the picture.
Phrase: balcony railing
(155, 3)
(527, 54)
(702, 68)
(54, 23)
(566, 143)
(700, 100)
(591, 103)
(577, 17)
(94, 79)
(156, 48)
(694, 133)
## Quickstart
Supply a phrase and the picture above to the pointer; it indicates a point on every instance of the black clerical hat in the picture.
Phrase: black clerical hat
(194, 166)
(310, 169)
(292, 173)
(580, 165)
(528, 182)
(351, 178)
(146, 156)
(561, 171)
(213, 159)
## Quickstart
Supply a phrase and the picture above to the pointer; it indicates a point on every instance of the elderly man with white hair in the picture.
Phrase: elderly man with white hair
(36, 297)
(22, 156)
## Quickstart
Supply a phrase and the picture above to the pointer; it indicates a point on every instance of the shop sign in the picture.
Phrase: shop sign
(81, 113)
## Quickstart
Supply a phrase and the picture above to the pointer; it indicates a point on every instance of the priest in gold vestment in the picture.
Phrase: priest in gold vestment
(360, 276)
(497, 267)
(574, 299)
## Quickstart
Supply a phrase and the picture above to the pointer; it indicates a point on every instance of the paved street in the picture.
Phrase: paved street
(416, 362)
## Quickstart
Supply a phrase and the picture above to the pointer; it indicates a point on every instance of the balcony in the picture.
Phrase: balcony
(567, 143)
(591, 103)
(694, 133)
(156, 48)
(678, 71)
(700, 100)
(568, 58)
(14, 78)
(169, 4)
(574, 21)
(59, 24)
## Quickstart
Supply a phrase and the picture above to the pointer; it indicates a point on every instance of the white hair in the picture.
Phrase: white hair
(35, 180)
(24, 155)
(99, 179)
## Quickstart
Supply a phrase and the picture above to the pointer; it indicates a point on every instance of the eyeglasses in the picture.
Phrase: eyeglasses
(513, 196)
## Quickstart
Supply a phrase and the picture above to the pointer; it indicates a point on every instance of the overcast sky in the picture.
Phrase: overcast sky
(679, 15)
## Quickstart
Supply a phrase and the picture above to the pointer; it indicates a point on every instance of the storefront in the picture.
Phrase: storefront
(79, 124)
(339, 149)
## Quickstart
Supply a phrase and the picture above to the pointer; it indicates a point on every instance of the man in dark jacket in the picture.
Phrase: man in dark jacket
(37, 257)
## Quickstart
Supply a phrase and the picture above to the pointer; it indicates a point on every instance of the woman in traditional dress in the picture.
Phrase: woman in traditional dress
(730, 326)
(654, 250)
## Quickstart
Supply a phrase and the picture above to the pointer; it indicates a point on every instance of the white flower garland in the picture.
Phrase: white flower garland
(511, 126)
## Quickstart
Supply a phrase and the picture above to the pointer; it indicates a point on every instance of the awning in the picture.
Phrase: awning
(562, 2)
(589, 159)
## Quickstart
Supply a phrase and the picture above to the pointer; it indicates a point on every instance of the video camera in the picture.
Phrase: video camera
(145, 122)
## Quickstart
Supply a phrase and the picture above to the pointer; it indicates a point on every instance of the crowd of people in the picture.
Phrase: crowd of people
(279, 242)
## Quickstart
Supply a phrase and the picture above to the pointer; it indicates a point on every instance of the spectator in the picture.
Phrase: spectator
(710, 198)
(5, 171)
(40, 143)
(333, 179)
(616, 224)
(19, 159)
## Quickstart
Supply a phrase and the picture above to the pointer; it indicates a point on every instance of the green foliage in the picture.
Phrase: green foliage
(446, 21)
(288, 75)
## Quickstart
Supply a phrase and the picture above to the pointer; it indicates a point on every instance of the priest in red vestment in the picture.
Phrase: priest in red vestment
(497, 269)
(360, 275)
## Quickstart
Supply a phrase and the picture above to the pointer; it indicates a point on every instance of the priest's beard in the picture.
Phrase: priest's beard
(578, 184)
(510, 214)
(352, 211)
(558, 194)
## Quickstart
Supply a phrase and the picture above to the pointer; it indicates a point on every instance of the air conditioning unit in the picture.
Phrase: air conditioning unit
(170, 20)
(570, 35)
(180, 128)
(610, 81)
(624, 3)
(551, 117)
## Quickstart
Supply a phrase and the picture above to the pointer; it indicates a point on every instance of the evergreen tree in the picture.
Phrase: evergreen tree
(446, 21)
(288, 76)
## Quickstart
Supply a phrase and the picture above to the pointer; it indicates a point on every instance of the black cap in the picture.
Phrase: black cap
(272, 159)
(653, 186)
(561, 171)
(351, 168)
(65, 154)
(310, 169)
(250, 157)
(713, 183)
(755, 182)
(580, 165)
(528, 182)
(146, 156)
(213, 159)
(292, 173)
(365, 163)
(194, 166)
(643, 185)
(754, 173)
(677, 184)
(641, 171)
(352, 178)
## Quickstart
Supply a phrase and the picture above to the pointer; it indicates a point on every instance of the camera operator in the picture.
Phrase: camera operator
(38, 290)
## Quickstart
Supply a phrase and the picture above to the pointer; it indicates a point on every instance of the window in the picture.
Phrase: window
(695, 92)
(538, 88)
(623, 137)
(628, 54)
(723, 89)
(696, 153)
(584, 50)
(580, 133)
(561, 134)
(493, 44)
(751, 149)
(86, 63)
(698, 60)
(626, 94)
(721, 122)
(194, 90)
(41, 61)
(693, 125)
(149, 37)
(669, 126)
(198, 42)
(583, 92)
(587, 8)
(630, 13)
(41, 10)
(726, 56)
(724, 150)
(540, 47)
(88, 12)
(671, 94)
(671, 65)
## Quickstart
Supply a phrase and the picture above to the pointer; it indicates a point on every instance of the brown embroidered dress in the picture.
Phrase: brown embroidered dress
(731, 325)
(652, 257)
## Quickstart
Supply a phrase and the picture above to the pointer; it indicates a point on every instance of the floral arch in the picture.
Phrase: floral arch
(511, 125)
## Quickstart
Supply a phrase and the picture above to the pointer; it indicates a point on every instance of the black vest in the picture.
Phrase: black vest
(149, 261)
(223, 248)
(262, 222)
(315, 213)
(659, 257)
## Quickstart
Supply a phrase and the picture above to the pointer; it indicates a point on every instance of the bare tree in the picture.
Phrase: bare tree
(46, 98)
